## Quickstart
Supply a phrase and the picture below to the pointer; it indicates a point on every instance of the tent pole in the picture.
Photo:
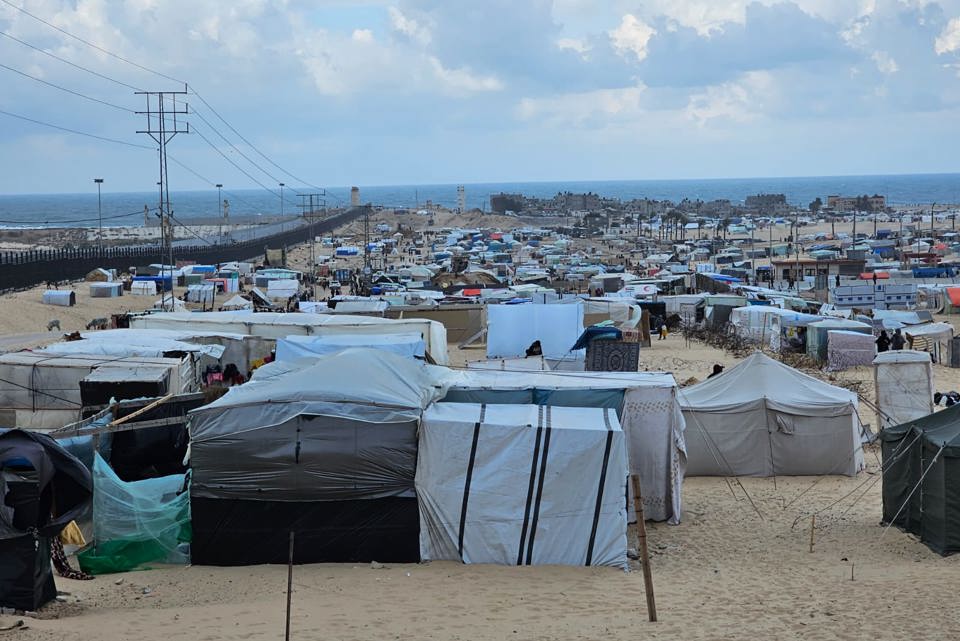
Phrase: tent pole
(644, 553)
(289, 586)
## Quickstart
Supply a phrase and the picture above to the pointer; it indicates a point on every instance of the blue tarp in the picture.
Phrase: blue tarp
(596, 332)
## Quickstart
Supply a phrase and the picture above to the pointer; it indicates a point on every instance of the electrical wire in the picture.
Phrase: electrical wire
(70, 91)
(230, 160)
(234, 147)
(76, 131)
(210, 182)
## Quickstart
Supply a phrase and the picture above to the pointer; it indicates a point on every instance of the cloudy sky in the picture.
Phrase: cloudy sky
(447, 91)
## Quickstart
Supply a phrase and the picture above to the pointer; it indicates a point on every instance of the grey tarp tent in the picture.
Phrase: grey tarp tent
(42, 488)
(764, 418)
(327, 449)
(921, 478)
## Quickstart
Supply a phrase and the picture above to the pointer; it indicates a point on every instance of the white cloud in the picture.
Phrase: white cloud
(462, 80)
(579, 109)
(409, 27)
(885, 64)
(632, 35)
(362, 35)
(740, 101)
(949, 39)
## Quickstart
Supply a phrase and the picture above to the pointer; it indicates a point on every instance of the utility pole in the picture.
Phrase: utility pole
(162, 132)
(99, 181)
(308, 206)
(220, 209)
(282, 185)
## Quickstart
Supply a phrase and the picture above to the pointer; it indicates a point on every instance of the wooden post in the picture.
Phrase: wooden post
(644, 553)
(813, 524)
(289, 586)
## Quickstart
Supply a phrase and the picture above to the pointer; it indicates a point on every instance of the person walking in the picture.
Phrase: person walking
(883, 342)
(897, 341)
(663, 331)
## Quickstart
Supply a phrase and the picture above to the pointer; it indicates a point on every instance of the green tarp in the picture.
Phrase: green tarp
(921, 478)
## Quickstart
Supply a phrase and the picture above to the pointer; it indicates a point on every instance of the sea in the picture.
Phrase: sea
(127, 208)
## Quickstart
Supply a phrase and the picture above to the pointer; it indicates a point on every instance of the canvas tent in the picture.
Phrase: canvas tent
(903, 380)
(764, 418)
(327, 451)
(921, 477)
(522, 485)
(42, 489)
(296, 347)
(61, 297)
(106, 290)
(646, 404)
(235, 303)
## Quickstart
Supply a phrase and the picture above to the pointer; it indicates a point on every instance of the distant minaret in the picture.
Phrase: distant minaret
(354, 196)
(461, 199)
(146, 216)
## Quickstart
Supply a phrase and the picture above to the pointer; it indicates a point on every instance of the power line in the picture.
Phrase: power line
(70, 91)
(229, 160)
(208, 181)
(214, 129)
(67, 62)
(90, 44)
(75, 131)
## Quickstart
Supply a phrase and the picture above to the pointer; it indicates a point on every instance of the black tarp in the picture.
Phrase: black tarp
(921, 479)
(241, 532)
(42, 488)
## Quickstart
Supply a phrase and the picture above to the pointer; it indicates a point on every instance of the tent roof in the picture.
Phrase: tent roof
(760, 377)
(901, 356)
(940, 428)
(359, 376)
(931, 329)
(506, 380)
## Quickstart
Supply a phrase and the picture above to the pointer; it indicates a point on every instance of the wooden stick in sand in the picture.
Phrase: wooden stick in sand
(644, 553)
(813, 524)
(289, 586)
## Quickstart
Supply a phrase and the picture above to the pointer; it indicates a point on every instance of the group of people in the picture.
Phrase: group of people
(886, 342)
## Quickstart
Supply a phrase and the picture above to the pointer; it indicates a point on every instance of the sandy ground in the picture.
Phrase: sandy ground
(728, 571)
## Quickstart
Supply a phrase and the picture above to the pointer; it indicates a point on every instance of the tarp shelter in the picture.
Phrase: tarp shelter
(106, 290)
(277, 325)
(143, 288)
(764, 418)
(511, 329)
(818, 337)
(42, 489)
(646, 404)
(522, 485)
(310, 347)
(327, 451)
(203, 293)
(847, 349)
(237, 302)
(921, 478)
(933, 338)
(61, 297)
(903, 381)
(282, 289)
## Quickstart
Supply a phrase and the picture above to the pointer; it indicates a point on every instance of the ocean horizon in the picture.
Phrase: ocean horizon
(126, 208)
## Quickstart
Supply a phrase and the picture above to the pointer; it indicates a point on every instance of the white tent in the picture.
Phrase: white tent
(903, 381)
(277, 325)
(293, 348)
(522, 485)
(512, 328)
(237, 302)
(645, 401)
(143, 288)
(764, 418)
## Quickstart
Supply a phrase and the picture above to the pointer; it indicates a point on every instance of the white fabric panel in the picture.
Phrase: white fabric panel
(904, 386)
(297, 347)
(512, 328)
(849, 349)
(533, 489)
(143, 288)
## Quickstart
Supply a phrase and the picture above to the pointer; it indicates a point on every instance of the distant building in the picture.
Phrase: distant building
(576, 202)
(461, 199)
(849, 203)
(354, 196)
(500, 203)
(766, 202)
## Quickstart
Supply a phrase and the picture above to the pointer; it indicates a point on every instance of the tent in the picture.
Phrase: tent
(143, 288)
(42, 489)
(237, 302)
(646, 404)
(903, 380)
(764, 418)
(327, 451)
(849, 349)
(818, 337)
(61, 297)
(203, 293)
(933, 338)
(921, 477)
(106, 289)
(296, 347)
(522, 485)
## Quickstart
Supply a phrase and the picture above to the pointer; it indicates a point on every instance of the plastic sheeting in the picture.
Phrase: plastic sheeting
(904, 386)
(135, 523)
(849, 349)
(522, 485)
(297, 347)
(764, 418)
(133, 344)
(511, 329)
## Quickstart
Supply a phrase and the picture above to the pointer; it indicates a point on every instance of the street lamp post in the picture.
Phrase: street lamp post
(99, 181)
(220, 208)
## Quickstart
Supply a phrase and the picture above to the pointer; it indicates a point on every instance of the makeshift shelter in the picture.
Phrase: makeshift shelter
(646, 404)
(522, 485)
(511, 329)
(203, 293)
(818, 337)
(764, 418)
(921, 477)
(143, 288)
(42, 489)
(311, 347)
(903, 381)
(327, 451)
(60, 297)
(106, 289)
(278, 325)
(847, 349)
(933, 338)
(235, 303)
